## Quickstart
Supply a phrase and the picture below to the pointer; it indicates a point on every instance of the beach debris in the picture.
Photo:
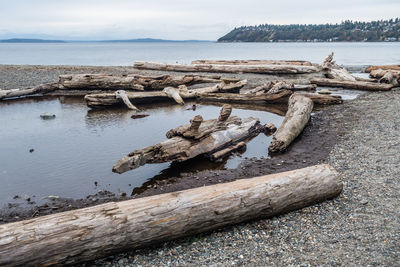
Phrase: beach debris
(296, 118)
(324, 92)
(98, 231)
(139, 116)
(357, 85)
(197, 138)
(47, 116)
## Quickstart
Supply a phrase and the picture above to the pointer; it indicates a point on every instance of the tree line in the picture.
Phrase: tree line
(350, 31)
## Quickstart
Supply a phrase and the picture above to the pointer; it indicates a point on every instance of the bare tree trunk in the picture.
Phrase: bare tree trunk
(253, 62)
(109, 99)
(383, 67)
(86, 234)
(296, 118)
(130, 81)
(280, 97)
(266, 69)
(358, 85)
(334, 71)
(319, 99)
(42, 88)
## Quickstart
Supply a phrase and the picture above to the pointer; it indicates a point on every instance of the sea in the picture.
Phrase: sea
(124, 54)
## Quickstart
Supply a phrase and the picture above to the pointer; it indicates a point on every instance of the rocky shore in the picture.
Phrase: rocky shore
(360, 138)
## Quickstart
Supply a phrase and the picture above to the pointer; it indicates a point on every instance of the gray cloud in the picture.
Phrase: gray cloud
(175, 19)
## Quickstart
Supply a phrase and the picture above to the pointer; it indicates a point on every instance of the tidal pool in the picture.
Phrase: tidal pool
(73, 154)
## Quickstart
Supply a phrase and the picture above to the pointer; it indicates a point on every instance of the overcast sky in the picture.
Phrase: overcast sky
(173, 19)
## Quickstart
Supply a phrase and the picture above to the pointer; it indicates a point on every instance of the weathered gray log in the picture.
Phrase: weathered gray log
(227, 151)
(276, 86)
(280, 97)
(266, 69)
(20, 92)
(198, 138)
(383, 67)
(319, 99)
(296, 118)
(334, 71)
(253, 62)
(86, 234)
(130, 81)
(121, 94)
(109, 99)
(357, 85)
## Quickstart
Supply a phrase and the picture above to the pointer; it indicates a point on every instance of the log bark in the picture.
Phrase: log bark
(296, 118)
(265, 69)
(253, 62)
(109, 99)
(280, 97)
(130, 81)
(121, 94)
(334, 71)
(86, 234)
(179, 148)
(383, 67)
(357, 85)
(322, 99)
(227, 151)
(21, 92)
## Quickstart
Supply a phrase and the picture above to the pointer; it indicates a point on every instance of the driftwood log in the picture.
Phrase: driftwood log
(253, 62)
(40, 89)
(264, 69)
(280, 97)
(319, 99)
(357, 85)
(198, 138)
(130, 81)
(86, 234)
(383, 67)
(296, 118)
(109, 99)
(334, 71)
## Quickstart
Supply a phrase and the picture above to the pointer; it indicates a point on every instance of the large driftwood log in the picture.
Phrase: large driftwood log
(383, 67)
(334, 71)
(265, 69)
(280, 97)
(358, 85)
(296, 118)
(253, 62)
(198, 138)
(42, 88)
(86, 234)
(179, 149)
(130, 81)
(322, 99)
(109, 99)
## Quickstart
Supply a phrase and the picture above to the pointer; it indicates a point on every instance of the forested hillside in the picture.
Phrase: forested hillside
(381, 30)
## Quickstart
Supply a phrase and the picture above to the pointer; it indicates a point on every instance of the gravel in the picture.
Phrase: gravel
(359, 228)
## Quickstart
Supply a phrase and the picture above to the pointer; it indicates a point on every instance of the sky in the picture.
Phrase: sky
(173, 19)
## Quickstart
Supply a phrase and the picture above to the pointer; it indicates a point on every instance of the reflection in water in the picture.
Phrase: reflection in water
(80, 145)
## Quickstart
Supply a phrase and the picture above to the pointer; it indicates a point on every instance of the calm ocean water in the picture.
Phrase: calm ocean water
(115, 54)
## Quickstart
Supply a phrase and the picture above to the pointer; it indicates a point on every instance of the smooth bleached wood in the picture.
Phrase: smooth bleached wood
(281, 97)
(130, 81)
(296, 118)
(265, 69)
(21, 92)
(334, 71)
(383, 67)
(319, 99)
(95, 232)
(109, 99)
(253, 62)
(357, 85)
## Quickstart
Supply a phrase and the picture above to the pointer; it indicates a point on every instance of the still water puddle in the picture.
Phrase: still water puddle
(80, 146)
